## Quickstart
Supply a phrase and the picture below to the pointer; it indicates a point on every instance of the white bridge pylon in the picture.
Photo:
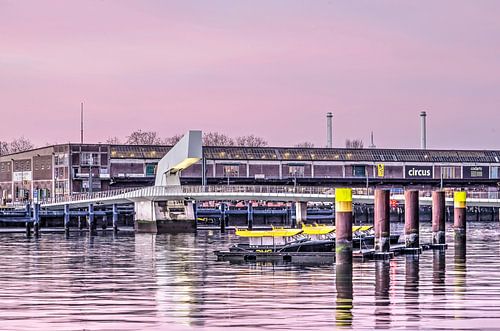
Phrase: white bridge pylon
(184, 154)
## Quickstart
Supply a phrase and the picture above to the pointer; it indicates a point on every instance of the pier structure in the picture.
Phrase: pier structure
(381, 221)
(460, 215)
(438, 217)
(412, 220)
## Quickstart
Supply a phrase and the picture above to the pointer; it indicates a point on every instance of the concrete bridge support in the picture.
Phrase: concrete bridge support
(300, 213)
(164, 217)
(36, 219)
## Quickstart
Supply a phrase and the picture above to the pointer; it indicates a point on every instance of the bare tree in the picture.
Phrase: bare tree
(140, 137)
(20, 145)
(305, 144)
(217, 139)
(173, 139)
(113, 141)
(354, 143)
(4, 147)
(251, 141)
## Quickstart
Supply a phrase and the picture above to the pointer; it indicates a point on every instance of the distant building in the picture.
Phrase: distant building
(64, 169)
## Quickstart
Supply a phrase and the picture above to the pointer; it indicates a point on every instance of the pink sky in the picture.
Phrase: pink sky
(270, 68)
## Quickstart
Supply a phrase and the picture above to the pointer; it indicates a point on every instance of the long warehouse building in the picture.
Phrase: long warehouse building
(73, 168)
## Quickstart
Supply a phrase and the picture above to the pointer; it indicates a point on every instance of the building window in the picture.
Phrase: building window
(231, 170)
(296, 171)
(359, 171)
(90, 159)
(448, 172)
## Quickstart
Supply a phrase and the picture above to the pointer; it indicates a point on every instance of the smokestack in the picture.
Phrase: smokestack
(423, 130)
(81, 123)
(329, 132)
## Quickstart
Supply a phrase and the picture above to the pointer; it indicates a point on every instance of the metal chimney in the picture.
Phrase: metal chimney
(329, 132)
(423, 130)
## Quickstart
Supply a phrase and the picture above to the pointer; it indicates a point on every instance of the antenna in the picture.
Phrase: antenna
(81, 123)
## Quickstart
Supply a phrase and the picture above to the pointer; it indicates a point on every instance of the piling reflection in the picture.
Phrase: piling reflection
(382, 301)
(438, 272)
(460, 267)
(411, 288)
(343, 282)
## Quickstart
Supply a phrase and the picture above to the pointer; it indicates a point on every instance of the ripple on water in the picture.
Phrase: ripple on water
(159, 282)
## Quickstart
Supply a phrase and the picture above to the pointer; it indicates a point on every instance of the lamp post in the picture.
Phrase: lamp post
(91, 161)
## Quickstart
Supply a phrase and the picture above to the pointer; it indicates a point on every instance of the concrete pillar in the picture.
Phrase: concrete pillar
(343, 225)
(293, 216)
(115, 218)
(250, 215)
(412, 220)
(460, 213)
(438, 217)
(381, 221)
(66, 219)
(145, 217)
(300, 213)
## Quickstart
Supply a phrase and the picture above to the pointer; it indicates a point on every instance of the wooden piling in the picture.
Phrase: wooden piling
(66, 219)
(250, 215)
(343, 225)
(382, 221)
(222, 218)
(412, 220)
(460, 213)
(115, 218)
(438, 217)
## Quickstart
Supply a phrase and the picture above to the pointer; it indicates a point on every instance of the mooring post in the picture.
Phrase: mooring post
(91, 219)
(80, 223)
(438, 217)
(250, 215)
(36, 219)
(115, 218)
(66, 219)
(460, 214)
(412, 221)
(28, 221)
(222, 207)
(293, 216)
(343, 225)
(382, 221)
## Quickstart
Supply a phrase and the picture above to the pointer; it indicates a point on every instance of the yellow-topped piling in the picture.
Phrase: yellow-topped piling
(343, 199)
(460, 214)
(343, 225)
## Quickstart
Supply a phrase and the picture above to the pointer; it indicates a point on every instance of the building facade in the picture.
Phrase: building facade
(73, 168)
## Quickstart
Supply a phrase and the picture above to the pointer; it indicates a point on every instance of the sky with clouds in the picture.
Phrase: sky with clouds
(264, 67)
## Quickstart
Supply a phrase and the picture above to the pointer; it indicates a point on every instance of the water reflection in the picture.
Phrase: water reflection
(343, 284)
(411, 290)
(382, 301)
(159, 282)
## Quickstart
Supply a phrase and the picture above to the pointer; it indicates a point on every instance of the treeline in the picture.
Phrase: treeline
(17, 145)
(140, 137)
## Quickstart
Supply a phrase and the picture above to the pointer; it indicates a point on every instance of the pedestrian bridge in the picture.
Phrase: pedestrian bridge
(242, 192)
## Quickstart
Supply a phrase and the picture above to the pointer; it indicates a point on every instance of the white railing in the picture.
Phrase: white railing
(157, 191)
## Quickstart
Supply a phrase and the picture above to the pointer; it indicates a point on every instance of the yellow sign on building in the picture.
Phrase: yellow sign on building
(380, 170)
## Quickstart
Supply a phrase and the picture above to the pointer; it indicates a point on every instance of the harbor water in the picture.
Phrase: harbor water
(174, 282)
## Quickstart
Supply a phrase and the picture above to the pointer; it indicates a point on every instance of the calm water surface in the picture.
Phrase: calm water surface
(147, 282)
